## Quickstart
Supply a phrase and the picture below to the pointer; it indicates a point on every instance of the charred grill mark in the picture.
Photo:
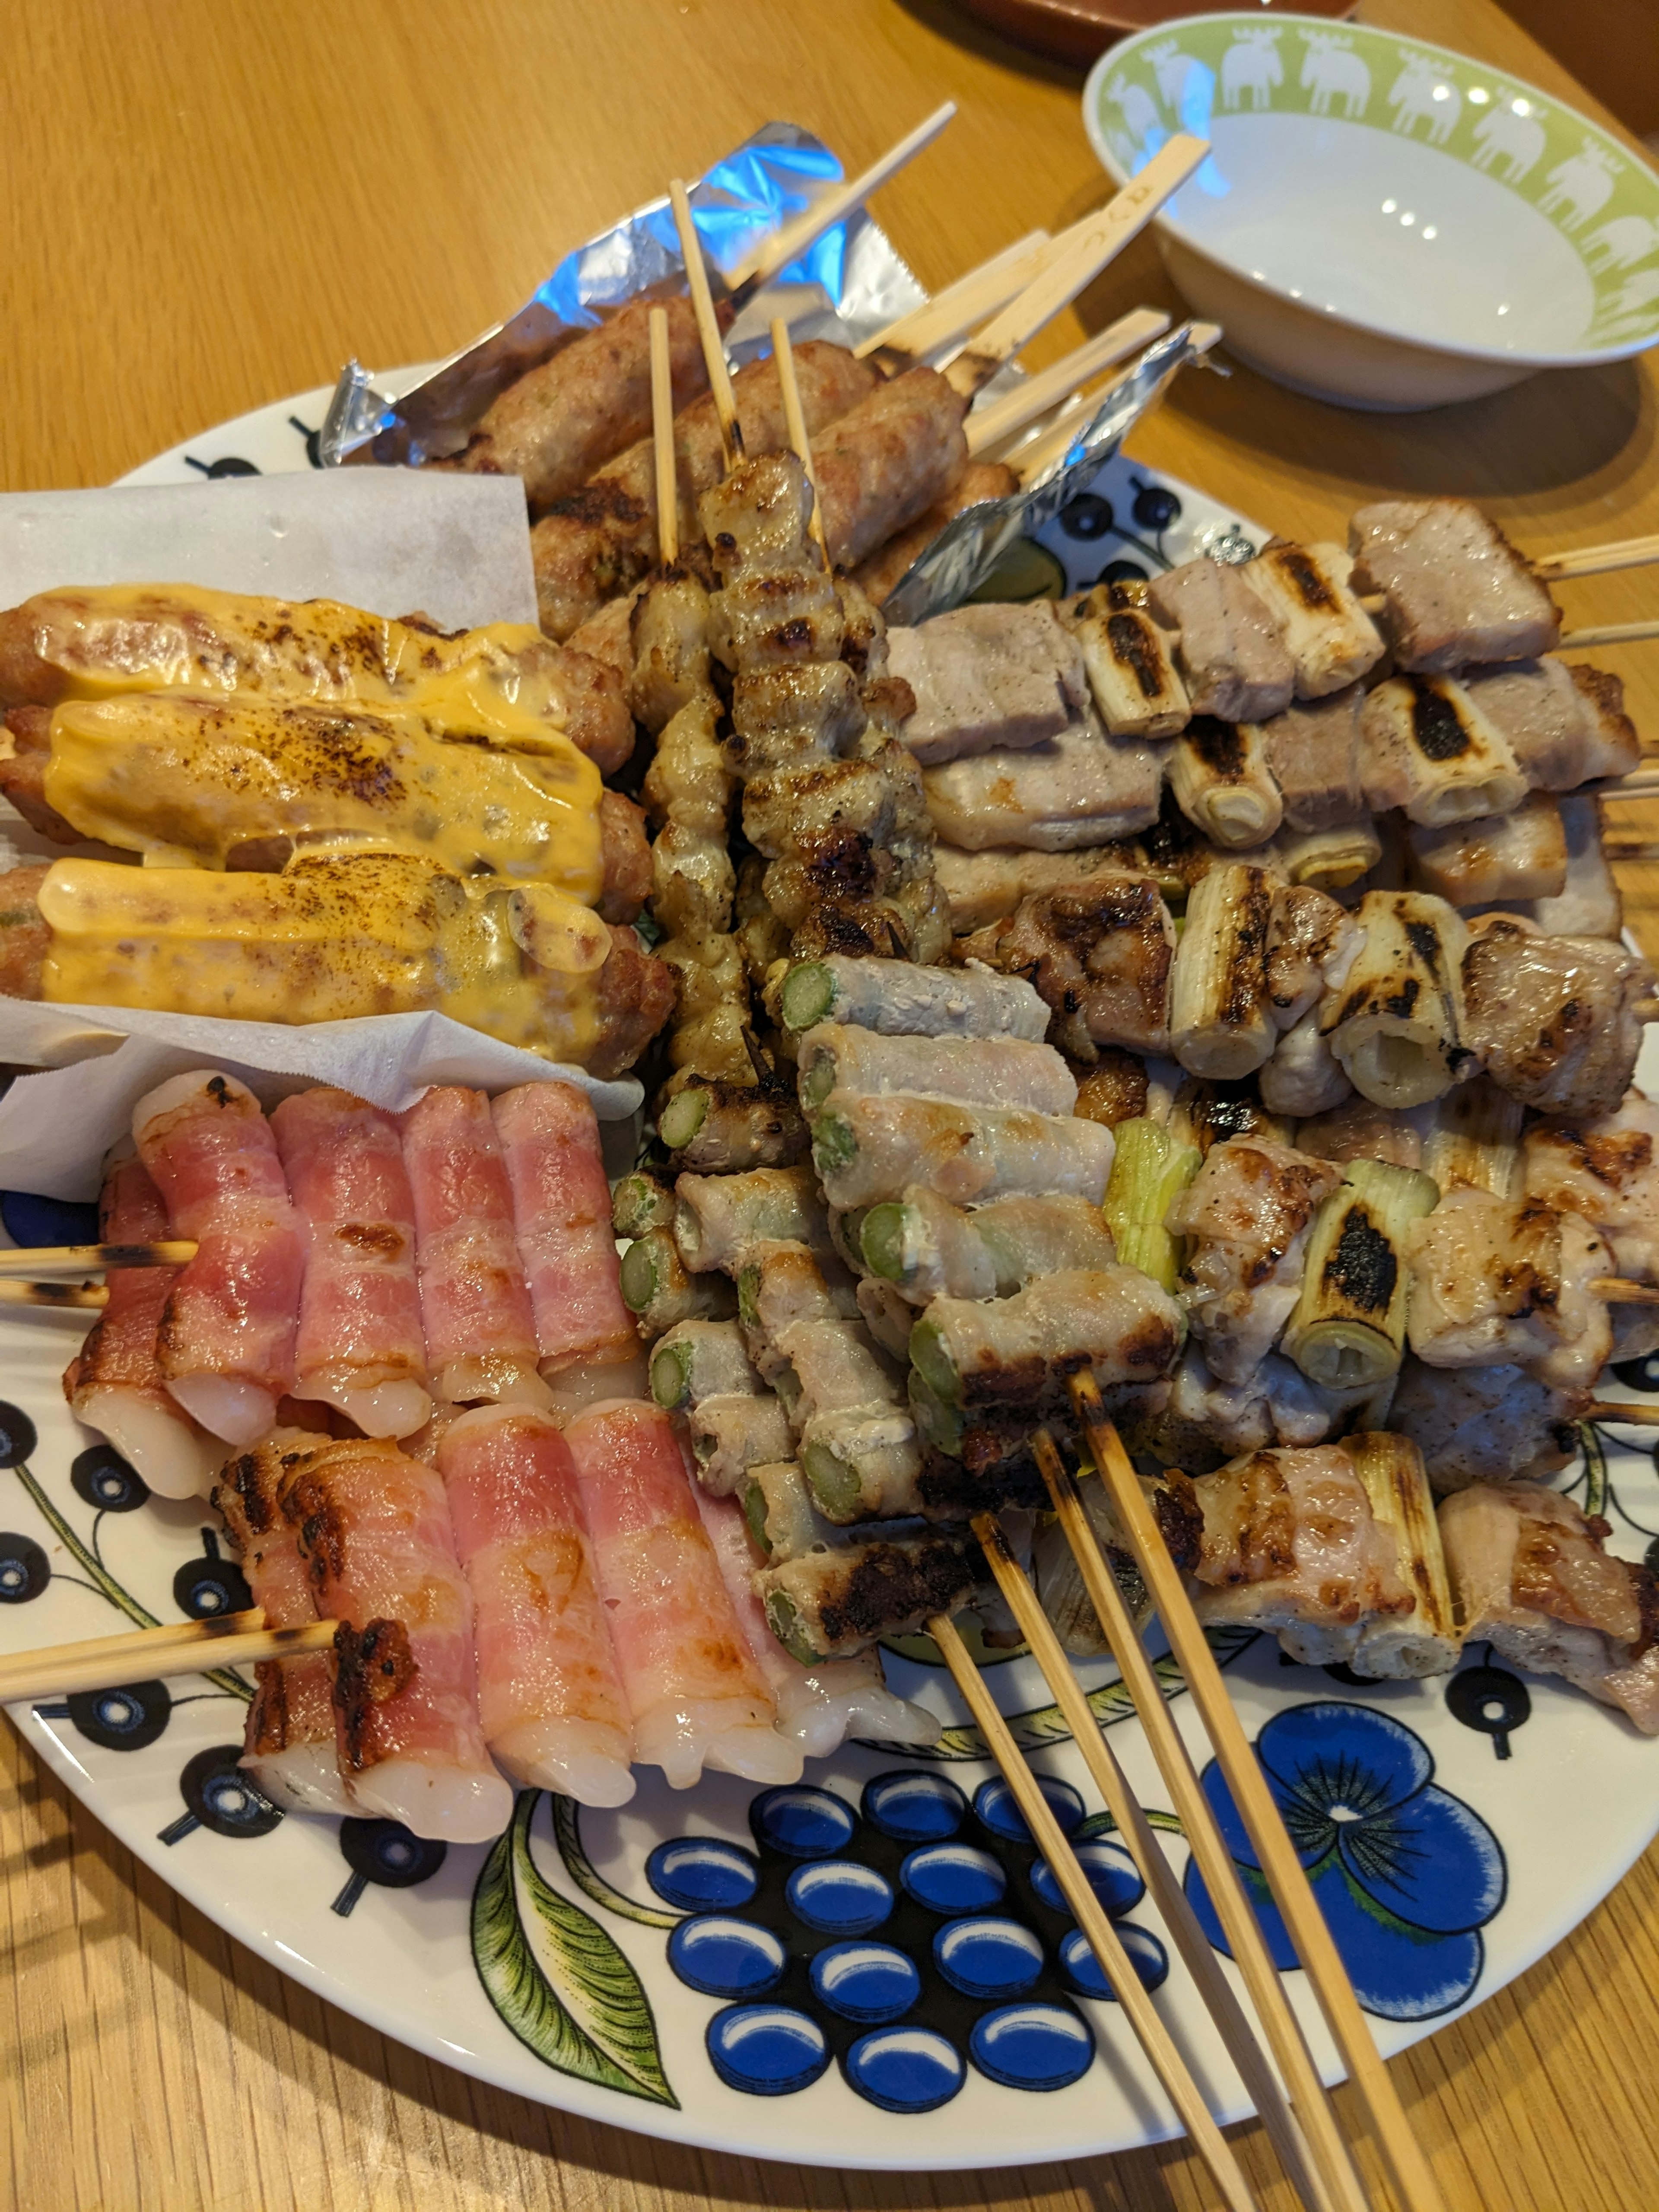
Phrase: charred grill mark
(1403, 1002)
(308, 1507)
(1298, 571)
(1179, 1520)
(382, 1238)
(1246, 973)
(220, 1091)
(888, 1585)
(1426, 942)
(1217, 744)
(1133, 649)
(370, 1665)
(603, 502)
(268, 1726)
(243, 1487)
(1362, 1267)
(1437, 732)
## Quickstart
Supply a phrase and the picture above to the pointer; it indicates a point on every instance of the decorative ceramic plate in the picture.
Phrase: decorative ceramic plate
(1075, 31)
(872, 1968)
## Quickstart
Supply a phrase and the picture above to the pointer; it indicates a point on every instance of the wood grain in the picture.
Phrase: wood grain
(210, 204)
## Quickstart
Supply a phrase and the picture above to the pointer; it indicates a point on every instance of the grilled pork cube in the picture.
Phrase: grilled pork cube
(1248, 1211)
(1426, 745)
(1312, 753)
(1311, 945)
(1532, 1575)
(986, 676)
(990, 886)
(1496, 1282)
(1207, 1422)
(1099, 954)
(1497, 857)
(1588, 904)
(1305, 1076)
(1235, 663)
(1130, 662)
(1609, 745)
(1564, 724)
(1553, 1018)
(1357, 1130)
(1289, 1542)
(1606, 1167)
(1081, 787)
(1454, 588)
(1485, 1423)
(1327, 634)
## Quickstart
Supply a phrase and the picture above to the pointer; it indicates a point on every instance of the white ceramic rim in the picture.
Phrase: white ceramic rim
(1114, 58)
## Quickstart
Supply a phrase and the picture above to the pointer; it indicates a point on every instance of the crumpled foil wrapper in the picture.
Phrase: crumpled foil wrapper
(850, 284)
(971, 543)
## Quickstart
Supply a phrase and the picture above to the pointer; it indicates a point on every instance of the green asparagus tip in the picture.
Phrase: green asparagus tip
(754, 1513)
(670, 1374)
(639, 1275)
(832, 1483)
(819, 1081)
(808, 993)
(834, 1145)
(881, 1240)
(681, 1118)
(784, 1621)
(930, 1356)
(749, 1283)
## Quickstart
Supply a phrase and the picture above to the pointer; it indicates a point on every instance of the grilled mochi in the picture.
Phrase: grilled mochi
(988, 676)
(1532, 1575)
(1454, 588)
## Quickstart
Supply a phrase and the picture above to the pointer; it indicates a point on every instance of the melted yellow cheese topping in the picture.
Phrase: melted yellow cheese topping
(328, 940)
(204, 780)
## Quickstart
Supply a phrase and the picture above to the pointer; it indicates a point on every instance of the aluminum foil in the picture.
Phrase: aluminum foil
(849, 285)
(971, 543)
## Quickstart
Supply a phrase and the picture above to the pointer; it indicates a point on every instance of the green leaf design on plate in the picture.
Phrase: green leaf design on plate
(557, 1978)
(1595, 1467)
(1044, 1724)
(567, 1834)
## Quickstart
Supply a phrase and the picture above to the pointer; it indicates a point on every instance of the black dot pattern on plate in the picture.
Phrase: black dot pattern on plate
(25, 1570)
(17, 1435)
(905, 1938)
(1155, 505)
(1491, 1700)
(209, 1587)
(33, 1221)
(1122, 572)
(223, 1796)
(129, 1719)
(1640, 1374)
(102, 1478)
(1088, 515)
(230, 464)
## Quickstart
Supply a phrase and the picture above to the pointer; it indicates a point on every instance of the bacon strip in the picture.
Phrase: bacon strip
(360, 1345)
(226, 1340)
(480, 1329)
(374, 1531)
(550, 1141)
(114, 1383)
(549, 1697)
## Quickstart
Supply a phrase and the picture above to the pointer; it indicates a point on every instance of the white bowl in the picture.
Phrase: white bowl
(1383, 222)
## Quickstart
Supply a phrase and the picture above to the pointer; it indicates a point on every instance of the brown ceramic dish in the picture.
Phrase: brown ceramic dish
(1077, 31)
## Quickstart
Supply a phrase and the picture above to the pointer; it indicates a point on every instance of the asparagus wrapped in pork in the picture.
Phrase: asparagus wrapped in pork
(658, 1291)
(718, 1217)
(827, 1605)
(701, 1369)
(926, 1248)
(1005, 1072)
(1018, 1351)
(897, 999)
(867, 1149)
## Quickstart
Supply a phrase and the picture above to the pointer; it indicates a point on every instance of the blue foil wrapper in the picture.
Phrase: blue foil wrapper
(850, 284)
(971, 543)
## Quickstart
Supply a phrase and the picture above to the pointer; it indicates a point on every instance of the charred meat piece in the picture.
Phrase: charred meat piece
(1532, 1575)
(986, 676)
(1100, 953)
(1495, 1282)
(1312, 752)
(1554, 1019)
(1454, 588)
(1248, 1212)
(1485, 1423)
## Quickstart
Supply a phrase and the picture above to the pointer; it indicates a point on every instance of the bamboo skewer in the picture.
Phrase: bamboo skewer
(1634, 1415)
(1597, 560)
(66, 1297)
(800, 444)
(1640, 783)
(1617, 1293)
(93, 1259)
(1631, 633)
(945, 321)
(1309, 2100)
(777, 251)
(709, 330)
(1275, 1852)
(1032, 460)
(1262, 2084)
(1103, 1939)
(105, 1662)
(991, 427)
(662, 441)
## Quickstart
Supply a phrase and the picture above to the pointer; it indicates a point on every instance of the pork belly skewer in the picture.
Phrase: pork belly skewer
(361, 1346)
(550, 1699)
(375, 1530)
(289, 1739)
(226, 1341)
(1099, 952)
(115, 1383)
(1250, 1213)
(1557, 1021)
(475, 1305)
(1532, 1576)
(697, 1696)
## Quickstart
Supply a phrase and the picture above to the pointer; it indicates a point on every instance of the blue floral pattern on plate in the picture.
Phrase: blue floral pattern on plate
(1406, 1875)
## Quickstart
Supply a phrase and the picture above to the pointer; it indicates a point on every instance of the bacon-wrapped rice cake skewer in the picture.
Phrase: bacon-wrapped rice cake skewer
(227, 1337)
(375, 1530)
(550, 1699)
(114, 1384)
(480, 1325)
(289, 1743)
(360, 1345)
(1532, 1576)
(697, 1696)
(550, 1144)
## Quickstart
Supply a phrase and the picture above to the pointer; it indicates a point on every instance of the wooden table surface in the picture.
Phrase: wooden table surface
(211, 204)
